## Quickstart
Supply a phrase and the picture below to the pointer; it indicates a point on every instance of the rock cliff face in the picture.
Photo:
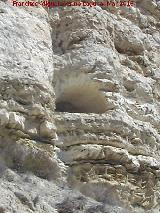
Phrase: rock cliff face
(80, 109)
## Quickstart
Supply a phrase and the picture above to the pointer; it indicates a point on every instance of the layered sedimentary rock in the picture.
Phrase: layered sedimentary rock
(80, 108)
(113, 138)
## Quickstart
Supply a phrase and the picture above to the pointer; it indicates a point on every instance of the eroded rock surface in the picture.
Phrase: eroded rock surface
(80, 109)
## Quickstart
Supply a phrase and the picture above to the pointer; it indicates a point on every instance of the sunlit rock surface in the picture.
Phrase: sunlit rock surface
(80, 109)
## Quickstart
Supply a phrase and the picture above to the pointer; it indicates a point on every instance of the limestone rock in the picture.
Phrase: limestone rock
(16, 121)
(4, 117)
(47, 129)
(80, 109)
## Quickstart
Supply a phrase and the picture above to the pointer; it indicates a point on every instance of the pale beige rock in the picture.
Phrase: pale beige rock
(47, 129)
(16, 121)
(119, 147)
(4, 117)
(80, 107)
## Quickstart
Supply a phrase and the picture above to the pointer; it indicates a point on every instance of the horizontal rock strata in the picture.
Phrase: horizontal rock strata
(80, 109)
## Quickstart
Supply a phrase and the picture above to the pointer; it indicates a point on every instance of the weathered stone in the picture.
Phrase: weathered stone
(79, 107)
(4, 117)
(48, 129)
(16, 121)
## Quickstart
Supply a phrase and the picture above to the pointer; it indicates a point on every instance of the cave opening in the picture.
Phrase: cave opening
(65, 106)
(80, 97)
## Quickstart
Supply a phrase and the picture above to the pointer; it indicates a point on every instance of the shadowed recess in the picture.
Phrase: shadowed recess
(79, 95)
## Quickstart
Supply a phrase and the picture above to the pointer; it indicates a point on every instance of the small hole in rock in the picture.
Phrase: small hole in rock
(80, 96)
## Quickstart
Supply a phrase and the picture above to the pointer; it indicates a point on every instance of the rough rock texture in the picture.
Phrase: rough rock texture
(80, 109)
